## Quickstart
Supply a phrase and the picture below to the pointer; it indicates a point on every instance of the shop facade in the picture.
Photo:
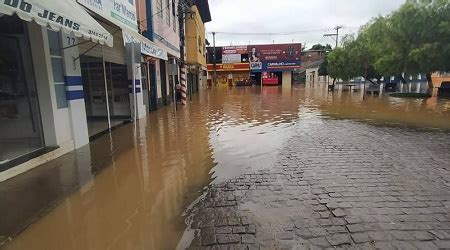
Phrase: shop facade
(159, 24)
(230, 73)
(116, 77)
(67, 75)
(42, 108)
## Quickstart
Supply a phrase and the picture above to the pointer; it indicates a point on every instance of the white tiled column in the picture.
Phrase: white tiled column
(74, 90)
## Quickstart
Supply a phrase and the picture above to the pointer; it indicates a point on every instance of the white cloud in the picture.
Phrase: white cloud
(278, 16)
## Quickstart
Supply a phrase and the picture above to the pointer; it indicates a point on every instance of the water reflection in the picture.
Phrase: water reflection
(129, 190)
(141, 189)
(428, 113)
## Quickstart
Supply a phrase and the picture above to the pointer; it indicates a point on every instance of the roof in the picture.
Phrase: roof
(203, 8)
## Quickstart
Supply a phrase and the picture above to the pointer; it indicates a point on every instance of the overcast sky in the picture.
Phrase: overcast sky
(307, 18)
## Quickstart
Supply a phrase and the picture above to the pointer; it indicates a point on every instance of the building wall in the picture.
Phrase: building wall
(141, 10)
(195, 39)
(165, 32)
(438, 78)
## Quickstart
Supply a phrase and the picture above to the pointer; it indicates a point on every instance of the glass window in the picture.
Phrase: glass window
(58, 71)
(57, 68)
(167, 10)
(159, 8)
(54, 43)
(61, 100)
(174, 25)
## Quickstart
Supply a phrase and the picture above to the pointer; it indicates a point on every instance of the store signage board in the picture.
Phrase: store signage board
(229, 67)
(147, 46)
(120, 12)
(68, 16)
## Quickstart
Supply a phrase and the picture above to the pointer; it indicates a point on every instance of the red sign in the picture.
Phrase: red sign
(234, 50)
(229, 67)
(275, 52)
(269, 78)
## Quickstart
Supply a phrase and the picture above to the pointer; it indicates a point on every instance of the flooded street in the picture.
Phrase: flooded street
(307, 148)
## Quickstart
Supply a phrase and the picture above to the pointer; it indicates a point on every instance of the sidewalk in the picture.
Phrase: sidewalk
(29, 196)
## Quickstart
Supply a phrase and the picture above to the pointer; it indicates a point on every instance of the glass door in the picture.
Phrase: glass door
(20, 124)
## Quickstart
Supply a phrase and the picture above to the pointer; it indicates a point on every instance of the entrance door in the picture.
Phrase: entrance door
(162, 65)
(149, 86)
(20, 124)
(145, 86)
(153, 89)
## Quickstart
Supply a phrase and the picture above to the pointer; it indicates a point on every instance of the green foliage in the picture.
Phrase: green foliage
(339, 66)
(321, 47)
(414, 39)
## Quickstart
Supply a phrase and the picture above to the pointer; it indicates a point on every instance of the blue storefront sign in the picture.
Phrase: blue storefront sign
(274, 66)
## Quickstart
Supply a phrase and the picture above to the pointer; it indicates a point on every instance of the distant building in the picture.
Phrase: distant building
(270, 64)
(196, 45)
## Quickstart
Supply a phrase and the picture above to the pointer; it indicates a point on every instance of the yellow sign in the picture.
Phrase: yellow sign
(228, 66)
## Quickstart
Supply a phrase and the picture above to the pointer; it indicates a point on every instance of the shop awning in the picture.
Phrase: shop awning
(66, 15)
(147, 47)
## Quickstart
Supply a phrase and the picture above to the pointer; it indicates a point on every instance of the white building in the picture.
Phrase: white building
(66, 76)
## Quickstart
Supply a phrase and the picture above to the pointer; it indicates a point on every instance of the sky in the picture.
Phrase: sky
(307, 19)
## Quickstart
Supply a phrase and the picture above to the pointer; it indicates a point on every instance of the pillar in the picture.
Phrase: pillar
(183, 75)
(134, 74)
(286, 79)
(74, 90)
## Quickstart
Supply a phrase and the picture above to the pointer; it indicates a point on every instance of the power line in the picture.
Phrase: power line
(278, 34)
(336, 35)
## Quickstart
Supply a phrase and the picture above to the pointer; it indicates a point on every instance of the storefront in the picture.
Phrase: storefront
(232, 74)
(113, 76)
(41, 100)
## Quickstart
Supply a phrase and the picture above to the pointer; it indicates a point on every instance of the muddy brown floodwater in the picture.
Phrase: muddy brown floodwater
(130, 190)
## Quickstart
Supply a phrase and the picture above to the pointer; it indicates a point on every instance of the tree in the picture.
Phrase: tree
(412, 40)
(339, 66)
(416, 39)
(321, 47)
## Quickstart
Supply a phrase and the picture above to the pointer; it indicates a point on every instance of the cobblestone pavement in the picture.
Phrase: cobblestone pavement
(337, 184)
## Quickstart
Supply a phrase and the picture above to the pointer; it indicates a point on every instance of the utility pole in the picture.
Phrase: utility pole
(214, 58)
(336, 35)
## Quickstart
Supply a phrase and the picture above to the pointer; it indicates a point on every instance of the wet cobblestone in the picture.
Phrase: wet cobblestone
(338, 184)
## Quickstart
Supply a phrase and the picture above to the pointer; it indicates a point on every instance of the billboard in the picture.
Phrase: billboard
(274, 57)
(234, 54)
(120, 12)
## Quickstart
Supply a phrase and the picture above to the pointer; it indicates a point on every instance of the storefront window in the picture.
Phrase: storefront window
(20, 124)
(54, 41)
(95, 93)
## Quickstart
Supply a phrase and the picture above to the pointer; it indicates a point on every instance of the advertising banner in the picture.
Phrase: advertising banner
(274, 57)
(234, 50)
(119, 12)
(274, 66)
(147, 47)
(234, 54)
(256, 66)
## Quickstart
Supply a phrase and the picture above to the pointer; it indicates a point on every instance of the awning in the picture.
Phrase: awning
(66, 15)
(147, 47)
